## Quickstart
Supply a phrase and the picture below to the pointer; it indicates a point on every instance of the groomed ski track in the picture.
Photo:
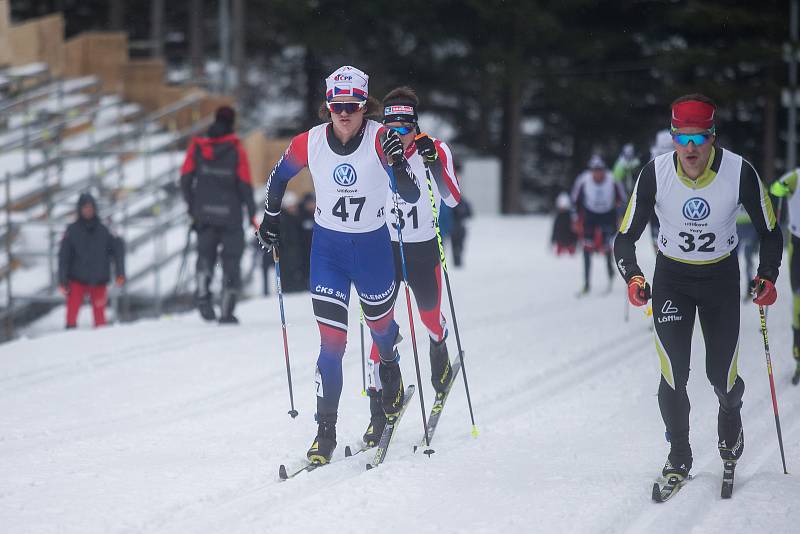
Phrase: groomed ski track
(175, 426)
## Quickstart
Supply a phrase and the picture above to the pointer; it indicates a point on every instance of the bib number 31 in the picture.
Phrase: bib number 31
(690, 243)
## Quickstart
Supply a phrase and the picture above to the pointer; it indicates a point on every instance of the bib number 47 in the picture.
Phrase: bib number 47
(690, 243)
(340, 208)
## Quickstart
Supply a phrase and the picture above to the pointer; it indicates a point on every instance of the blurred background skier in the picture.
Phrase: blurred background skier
(563, 238)
(596, 197)
(786, 187)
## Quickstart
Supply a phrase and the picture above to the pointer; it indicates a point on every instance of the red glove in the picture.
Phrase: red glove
(638, 290)
(764, 292)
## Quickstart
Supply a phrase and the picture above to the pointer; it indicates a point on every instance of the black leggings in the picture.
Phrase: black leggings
(681, 291)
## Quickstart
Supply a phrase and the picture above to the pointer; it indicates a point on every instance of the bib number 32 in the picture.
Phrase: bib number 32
(690, 242)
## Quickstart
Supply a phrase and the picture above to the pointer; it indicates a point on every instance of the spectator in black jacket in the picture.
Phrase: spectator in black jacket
(215, 181)
(84, 262)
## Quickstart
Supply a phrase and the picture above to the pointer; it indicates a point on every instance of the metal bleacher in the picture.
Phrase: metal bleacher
(61, 137)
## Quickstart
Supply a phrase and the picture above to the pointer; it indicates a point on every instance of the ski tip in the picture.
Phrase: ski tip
(282, 472)
(474, 431)
(727, 491)
(369, 466)
(415, 448)
(348, 452)
(656, 492)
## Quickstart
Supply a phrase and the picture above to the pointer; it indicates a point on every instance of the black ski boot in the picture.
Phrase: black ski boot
(393, 393)
(681, 469)
(731, 434)
(325, 442)
(227, 307)
(441, 373)
(203, 297)
(377, 419)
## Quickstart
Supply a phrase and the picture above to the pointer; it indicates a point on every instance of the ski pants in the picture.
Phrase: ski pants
(209, 239)
(75, 295)
(339, 259)
(794, 277)
(425, 279)
(680, 292)
(598, 232)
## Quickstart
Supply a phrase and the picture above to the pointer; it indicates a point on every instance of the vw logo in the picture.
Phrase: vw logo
(696, 209)
(344, 175)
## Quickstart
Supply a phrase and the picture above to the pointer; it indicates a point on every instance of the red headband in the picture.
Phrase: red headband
(693, 114)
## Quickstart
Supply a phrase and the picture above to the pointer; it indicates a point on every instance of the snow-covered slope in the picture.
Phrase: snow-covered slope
(178, 426)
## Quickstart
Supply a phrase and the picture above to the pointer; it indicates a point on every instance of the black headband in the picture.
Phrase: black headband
(400, 112)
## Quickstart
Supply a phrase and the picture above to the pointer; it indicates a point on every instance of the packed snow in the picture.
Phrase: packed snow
(175, 425)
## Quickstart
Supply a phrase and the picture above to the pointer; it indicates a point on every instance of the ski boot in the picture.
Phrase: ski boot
(325, 442)
(377, 418)
(393, 393)
(731, 434)
(203, 297)
(680, 470)
(441, 373)
(227, 307)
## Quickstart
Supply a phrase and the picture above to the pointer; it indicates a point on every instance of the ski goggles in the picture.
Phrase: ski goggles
(698, 139)
(403, 130)
(349, 107)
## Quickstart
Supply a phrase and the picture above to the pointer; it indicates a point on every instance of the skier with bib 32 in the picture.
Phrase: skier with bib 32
(696, 190)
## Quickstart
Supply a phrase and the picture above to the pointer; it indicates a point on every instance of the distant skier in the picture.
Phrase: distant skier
(662, 145)
(424, 155)
(563, 238)
(85, 255)
(626, 167)
(595, 199)
(786, 186)
(215, 181)
(458, 229)
(352, 161)
(696, 190)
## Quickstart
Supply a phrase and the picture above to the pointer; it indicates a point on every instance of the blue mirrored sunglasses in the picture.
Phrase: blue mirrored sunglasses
(402, 130)
(698, 138)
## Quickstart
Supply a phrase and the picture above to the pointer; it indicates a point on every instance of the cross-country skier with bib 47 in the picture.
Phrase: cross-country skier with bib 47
(416, 221)
(696, 190)
(352, 162)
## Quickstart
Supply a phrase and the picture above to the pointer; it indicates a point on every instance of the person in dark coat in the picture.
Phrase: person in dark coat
(294, 262)
(458, 231)
(215, 181)
(84, 262)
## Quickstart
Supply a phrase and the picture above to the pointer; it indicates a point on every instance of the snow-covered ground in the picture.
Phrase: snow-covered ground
(179, 426)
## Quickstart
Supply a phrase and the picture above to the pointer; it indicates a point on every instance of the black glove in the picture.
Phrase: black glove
(269, 232)
(426, 149)
(392, 147)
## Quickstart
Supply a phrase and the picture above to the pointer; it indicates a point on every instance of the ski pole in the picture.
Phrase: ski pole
(363, 358)
(772, 384)
(428, 451)
(276, 256)
(450, 299)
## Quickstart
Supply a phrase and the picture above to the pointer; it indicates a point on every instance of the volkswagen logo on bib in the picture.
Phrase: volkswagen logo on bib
(696, 209)
(344, 175)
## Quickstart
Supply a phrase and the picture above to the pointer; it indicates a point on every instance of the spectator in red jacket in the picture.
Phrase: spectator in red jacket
(84, 262)
(215, 181)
